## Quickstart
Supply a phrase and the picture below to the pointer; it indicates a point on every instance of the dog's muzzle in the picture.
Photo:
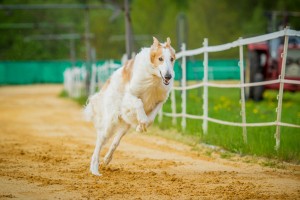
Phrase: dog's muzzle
(166, 79)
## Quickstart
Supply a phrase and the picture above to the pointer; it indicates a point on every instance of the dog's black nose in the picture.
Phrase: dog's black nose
(168, 76)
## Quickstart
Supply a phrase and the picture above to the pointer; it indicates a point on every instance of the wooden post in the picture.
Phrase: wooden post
(205, 87)
(128, 30)
(281, 87)
(243, 111)
(183, 92)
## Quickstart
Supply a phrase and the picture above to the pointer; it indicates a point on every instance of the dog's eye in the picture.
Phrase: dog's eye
(160, 59)
(172, 59)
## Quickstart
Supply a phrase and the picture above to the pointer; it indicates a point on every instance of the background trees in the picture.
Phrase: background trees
(220, 20)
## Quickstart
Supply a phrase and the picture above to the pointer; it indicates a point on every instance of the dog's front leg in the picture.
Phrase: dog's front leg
(141, 116)
(154, 112)
(132, 102)
(151, 117)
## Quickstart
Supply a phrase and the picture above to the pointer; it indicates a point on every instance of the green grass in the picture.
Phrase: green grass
(224, 105)
(80, 100)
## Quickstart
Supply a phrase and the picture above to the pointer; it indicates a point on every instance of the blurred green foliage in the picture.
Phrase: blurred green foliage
(221, 21)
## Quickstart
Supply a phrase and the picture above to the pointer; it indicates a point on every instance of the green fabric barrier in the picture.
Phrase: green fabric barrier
(28, 72)
(32, 72)
(218, 70)
(2, 74)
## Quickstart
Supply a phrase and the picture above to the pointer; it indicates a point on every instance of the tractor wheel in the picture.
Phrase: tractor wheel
(258, 90)
(254, 74)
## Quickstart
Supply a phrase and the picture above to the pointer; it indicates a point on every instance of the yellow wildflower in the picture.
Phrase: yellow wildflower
(255, 110)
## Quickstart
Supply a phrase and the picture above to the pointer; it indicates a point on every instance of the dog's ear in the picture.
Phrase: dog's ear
(168, 42)
(156, 43)
(155, 46)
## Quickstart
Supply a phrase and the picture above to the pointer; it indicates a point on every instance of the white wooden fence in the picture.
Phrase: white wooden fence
(205, 84)
(75, 81)
(75, 78)
(100, 74)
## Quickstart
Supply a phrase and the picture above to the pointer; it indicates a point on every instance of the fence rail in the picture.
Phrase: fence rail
(239, 42)
(235, 85)
(205, 84)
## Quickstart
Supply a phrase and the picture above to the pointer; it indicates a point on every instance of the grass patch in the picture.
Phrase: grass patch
(226, 155)
(80, 100)
(63, 94)
(208, 153)
(224, 105)
(273, 164)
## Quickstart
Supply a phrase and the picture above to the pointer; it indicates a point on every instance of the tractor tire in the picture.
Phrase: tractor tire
(254, 74)
(258, 90)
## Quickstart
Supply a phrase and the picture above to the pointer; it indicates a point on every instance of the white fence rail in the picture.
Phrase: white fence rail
(205, 84)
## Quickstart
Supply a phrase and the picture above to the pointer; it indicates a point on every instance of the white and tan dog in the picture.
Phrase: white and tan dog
(131, 97)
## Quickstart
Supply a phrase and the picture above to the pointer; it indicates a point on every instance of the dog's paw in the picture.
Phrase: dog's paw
(94, 170)
(138, 129)
(141, 127)
(94, 167)
(96, 173)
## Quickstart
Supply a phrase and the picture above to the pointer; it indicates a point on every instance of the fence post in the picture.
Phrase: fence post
(173, 106)
(281, 87)
(243, 112)
(183, 92)
(205, 87)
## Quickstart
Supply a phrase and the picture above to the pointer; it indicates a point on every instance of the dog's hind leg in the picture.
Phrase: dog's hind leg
(121, 131)
(101, 139)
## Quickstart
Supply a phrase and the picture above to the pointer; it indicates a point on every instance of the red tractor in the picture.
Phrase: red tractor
(265, 63)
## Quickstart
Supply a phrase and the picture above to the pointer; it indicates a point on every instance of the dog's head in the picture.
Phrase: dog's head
(162, 57)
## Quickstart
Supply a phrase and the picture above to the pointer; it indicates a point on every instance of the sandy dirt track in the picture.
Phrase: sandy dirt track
(46, 148)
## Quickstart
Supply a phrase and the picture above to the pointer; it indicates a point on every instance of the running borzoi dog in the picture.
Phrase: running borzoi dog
(131, 97)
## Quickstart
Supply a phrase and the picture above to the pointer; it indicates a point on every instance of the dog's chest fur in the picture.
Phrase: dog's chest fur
(151, 93)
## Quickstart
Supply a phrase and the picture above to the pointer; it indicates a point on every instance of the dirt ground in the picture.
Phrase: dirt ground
(46, 148)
